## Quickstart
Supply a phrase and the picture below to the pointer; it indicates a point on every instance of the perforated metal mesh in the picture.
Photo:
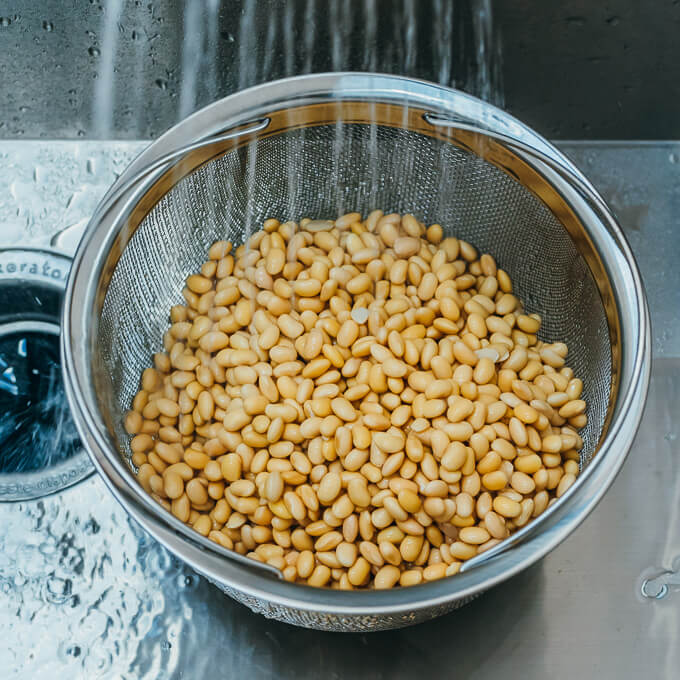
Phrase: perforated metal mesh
(325, 171)
(367, 623)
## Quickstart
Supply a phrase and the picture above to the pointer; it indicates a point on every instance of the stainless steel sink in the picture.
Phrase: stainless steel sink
(84, 593)
(572, 70)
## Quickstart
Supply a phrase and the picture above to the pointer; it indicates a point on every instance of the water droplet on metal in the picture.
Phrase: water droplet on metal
(48, 26)
(673, 157)
(653, 590)
(57, 590)
(94, 51)
(188, 581)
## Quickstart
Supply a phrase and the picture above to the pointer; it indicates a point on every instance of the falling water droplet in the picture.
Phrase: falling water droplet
(48, 26)
(613, 21)
(162, 83)
(575, 21)
(81, 133)
(673, 158)
(94, 51)
(5, 21)
(166, 645)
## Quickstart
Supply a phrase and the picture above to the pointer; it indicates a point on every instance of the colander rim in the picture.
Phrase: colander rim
(250, 580)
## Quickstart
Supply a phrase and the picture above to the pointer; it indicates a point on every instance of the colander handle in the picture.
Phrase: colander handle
(68, 238)
(571, 174)
(117, 191)
(563, 167)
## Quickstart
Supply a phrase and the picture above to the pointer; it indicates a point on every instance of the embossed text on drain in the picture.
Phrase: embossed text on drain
(33, 268)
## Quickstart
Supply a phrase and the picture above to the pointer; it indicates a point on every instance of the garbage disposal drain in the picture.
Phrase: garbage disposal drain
(40, 452)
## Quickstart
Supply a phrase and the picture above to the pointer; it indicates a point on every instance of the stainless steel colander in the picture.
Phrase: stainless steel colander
(319, 146)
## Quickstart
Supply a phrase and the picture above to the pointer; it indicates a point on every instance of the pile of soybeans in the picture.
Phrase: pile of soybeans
(360, 403)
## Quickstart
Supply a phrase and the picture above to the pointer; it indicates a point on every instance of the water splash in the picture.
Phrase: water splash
(340, 28)
(370, 23)
(289, 39)
(489, 79)
(36, 430)
(251, 189)
(310, 35)
(271, 40)
(199, 55)
(192, 47)
(410, 42)
(298, 139)
(105, 85)
(443, 46)
(246, 51)
(141, 76)
(213, 21)
(660, 586)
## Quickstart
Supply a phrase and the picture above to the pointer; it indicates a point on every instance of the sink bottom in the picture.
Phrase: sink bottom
(85, 593)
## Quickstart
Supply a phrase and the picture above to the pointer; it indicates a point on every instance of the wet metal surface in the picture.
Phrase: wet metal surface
(616, 62)
(641, 183)
(84, 594)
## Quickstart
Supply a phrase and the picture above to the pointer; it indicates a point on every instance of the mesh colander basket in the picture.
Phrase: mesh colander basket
(319, 146)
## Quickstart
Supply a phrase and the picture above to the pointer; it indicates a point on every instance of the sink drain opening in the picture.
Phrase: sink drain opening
(40, 451)
(36, 430)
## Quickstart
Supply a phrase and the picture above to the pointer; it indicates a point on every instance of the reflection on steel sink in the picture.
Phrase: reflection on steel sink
(85, 594)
